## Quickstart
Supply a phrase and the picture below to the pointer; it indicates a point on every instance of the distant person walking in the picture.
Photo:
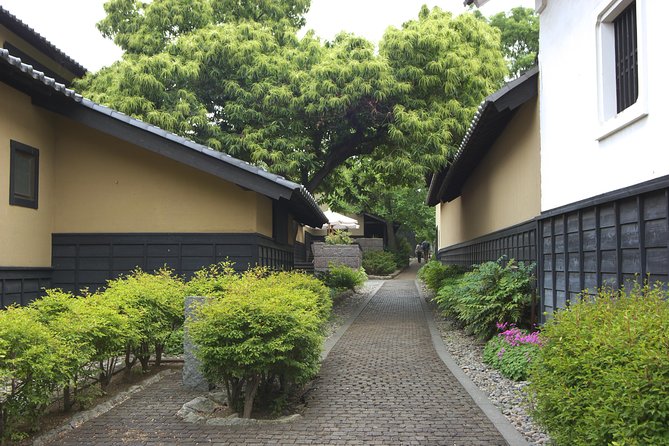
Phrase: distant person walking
(426, 250)
(419, 252)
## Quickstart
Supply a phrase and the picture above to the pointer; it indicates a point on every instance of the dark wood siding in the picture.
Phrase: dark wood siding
(610, 243)
(20, 286)
(517, 242)
(88, 260)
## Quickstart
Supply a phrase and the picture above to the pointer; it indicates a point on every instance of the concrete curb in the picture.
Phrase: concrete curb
(510, 434)
(87, 415)
(332, 340)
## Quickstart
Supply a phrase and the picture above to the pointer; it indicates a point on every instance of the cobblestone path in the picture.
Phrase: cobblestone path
(382, 384)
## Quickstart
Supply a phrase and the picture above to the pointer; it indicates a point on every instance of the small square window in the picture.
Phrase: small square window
(23, 175)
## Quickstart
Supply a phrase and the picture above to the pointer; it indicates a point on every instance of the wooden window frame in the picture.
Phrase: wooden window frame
(14, 199)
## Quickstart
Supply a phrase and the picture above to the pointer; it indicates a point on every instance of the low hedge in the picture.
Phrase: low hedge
(264, 335)
(602, 376)
(379, 263)
(60, 341)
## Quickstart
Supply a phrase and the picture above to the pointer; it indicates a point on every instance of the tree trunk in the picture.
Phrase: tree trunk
(67, 398)
(392, 240)
(250, 394)
(159, 354)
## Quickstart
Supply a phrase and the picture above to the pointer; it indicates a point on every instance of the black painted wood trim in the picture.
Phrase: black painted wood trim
(619, 194)
(511, 230)
(15, 147)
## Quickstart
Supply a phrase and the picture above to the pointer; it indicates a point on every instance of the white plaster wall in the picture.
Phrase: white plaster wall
(575, 165)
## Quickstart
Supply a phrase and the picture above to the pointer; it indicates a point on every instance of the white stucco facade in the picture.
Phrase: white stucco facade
(586, 149)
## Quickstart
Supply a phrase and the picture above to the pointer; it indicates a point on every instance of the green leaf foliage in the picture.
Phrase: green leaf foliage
(265, 327)
(155, 304)
(33, 364)
(492, 292)
(338, 237)
(434, 273)
(234, 76)
(512, 352)
(379, 263)
(602, 376)
(342, 277)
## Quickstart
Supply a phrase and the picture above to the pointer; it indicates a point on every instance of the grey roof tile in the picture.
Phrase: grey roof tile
(185, 143)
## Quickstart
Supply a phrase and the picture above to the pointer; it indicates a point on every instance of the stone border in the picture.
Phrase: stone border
(388, 277)
(510, 433)
(332, 340)
(80, 418)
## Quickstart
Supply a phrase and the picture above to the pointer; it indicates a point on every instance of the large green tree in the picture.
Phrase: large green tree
(236, 77)
(520, 37)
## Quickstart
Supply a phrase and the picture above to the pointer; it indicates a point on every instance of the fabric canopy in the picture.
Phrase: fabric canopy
(339, 221)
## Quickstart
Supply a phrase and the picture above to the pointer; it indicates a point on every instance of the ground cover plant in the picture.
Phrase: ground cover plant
(602, 376)
(491, 293)
(338, 237)
(379, 263)
(512, 351)
(263, 337)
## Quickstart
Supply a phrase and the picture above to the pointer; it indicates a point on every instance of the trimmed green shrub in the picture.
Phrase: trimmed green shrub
(155, 303)
(33, 364)
(492, 292)
(265, 330)
(338, 237)
(342, 277)
(512, 351)
(602, 376)
(433, 273)
(213, 280)
(379, 262)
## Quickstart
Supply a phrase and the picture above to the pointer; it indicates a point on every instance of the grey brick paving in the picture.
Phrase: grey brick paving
(382, 384)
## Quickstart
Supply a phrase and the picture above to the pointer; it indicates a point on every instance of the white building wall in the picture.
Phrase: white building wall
(577, 160)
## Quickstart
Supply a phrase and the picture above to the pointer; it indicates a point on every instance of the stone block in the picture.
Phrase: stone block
(192, 376)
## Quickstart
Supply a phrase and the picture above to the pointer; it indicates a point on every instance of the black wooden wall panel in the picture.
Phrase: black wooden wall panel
(20, 286)
(610, 243)
(517, 242)
(89, 260)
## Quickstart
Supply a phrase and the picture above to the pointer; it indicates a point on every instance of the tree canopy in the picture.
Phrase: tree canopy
(520, 37)
(235, 76)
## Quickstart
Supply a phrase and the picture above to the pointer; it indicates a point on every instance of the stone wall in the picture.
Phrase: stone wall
(370, 244)
(324, 255)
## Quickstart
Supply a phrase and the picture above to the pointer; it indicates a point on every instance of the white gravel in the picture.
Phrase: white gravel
(504, 393)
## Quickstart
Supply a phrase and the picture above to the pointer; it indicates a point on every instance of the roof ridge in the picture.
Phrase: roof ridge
(40, 38)
(182, 141)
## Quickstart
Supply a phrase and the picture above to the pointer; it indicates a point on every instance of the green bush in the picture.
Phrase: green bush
(402, 253)
(433, 273)
(379, 263)
(266, 329)
(492, 292)
(344, 277)
(33, 364)
(602, 376)
(512, 352)
(338, 237)
(213, 280)
(155, 303)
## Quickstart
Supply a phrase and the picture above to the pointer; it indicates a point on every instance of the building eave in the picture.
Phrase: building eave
(56, 97)
(490, 120)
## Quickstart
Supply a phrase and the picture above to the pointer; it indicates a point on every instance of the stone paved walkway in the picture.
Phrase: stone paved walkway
(382, 384)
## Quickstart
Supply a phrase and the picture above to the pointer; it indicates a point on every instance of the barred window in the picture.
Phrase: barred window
(626, 57)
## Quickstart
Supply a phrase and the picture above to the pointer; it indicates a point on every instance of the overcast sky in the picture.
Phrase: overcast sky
(70, 24)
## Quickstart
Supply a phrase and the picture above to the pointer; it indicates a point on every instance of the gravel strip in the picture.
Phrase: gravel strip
(504, 393)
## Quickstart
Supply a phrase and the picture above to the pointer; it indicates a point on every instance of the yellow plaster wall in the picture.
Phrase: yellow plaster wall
(25, 234)
(7, 36)
(107, 185)
(504, 189)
